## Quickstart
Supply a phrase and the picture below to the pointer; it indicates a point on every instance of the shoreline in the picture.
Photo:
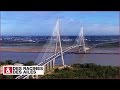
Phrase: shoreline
(40, 49)
(34, 49)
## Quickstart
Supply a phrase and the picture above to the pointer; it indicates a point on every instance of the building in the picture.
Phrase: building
(18, 64)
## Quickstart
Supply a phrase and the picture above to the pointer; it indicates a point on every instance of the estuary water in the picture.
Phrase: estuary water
(110, 56)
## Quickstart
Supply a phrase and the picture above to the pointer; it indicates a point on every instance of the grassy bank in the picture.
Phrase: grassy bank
(75, 71)
(85, 71)
(109, 45)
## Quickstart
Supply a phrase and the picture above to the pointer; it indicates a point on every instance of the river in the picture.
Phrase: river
(93, 56)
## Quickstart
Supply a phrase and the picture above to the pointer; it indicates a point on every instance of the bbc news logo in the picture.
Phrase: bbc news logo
(23, 70)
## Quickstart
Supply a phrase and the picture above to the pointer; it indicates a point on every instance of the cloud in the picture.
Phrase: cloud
(101, 29)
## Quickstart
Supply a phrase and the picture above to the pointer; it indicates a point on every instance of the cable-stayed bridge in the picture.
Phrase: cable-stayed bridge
(48, 61)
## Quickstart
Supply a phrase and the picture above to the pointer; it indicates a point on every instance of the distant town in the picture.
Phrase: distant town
(43, 39)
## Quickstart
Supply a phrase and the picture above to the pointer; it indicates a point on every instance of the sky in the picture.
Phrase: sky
(40, 23)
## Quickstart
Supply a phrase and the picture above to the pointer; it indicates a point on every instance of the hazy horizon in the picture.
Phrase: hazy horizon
(61, 35)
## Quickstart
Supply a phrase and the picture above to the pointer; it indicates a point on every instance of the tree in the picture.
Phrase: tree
(2, 63)
(8, 62)
(67, 69)
(29, 63)
(119, 72)
(17, 62)
(1, 76)
(85, 71)
(56, 70)
(9, 77)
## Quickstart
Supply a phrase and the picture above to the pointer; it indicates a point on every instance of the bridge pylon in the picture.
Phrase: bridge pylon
(56, 33)
(82, 40)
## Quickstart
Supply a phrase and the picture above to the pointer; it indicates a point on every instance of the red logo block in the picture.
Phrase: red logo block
(8, 70)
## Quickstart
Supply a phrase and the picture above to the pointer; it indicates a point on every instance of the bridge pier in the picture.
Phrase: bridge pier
(52, 64)
(45, 68)
(79, 49)
(49, 65)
